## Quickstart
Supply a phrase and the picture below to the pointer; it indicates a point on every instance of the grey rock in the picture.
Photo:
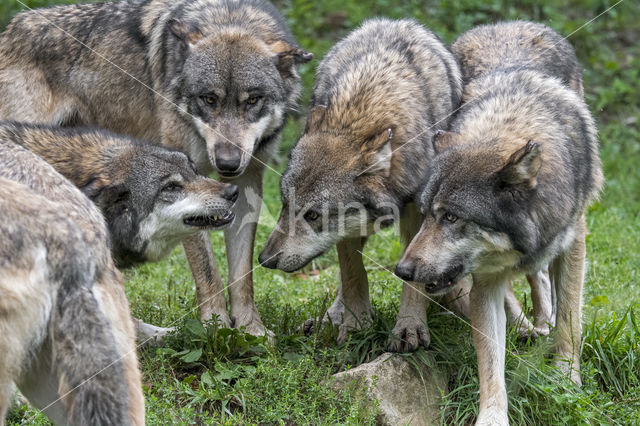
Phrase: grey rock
(406, 395)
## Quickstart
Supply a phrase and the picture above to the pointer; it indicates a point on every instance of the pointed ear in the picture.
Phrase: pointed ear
(523, 166)
(188, 34)
(378, 155)
(444, 140)
(315, 118)
(288, 56)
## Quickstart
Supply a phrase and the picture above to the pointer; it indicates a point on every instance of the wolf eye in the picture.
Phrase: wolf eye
(209, 99)
(450, 217)
(253, 100)
(172, 187)
(311, 216)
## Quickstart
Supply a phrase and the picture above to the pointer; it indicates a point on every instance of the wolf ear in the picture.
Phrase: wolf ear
(288, 56)
(522, 167)
(188, 34)
(444, 140)
(315, 118)
(378, 157)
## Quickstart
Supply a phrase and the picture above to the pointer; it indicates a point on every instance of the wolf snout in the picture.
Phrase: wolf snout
(269, 260)
(406, 270)
(230, 193)
(228, 159)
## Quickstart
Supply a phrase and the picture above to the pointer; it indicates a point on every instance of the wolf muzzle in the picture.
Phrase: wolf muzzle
(228, 159)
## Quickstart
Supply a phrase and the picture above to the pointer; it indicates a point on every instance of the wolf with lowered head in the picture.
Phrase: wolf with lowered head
(379, 97)
(522, 44)
(507, 195)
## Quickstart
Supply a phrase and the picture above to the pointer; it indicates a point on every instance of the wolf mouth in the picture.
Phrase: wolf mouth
(214, 221)
(447, 280)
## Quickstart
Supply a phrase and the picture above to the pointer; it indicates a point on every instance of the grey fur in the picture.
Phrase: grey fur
(130, 181)
(72, 320)
(211, 78)
(518, 44)
(507, 194)
(380, 95)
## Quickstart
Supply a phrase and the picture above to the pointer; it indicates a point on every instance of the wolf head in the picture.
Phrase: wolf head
(333, 188)
(476, 215)
(152, 199)
(236, 88)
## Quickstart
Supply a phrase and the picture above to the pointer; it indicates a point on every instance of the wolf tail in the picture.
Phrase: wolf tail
(89, 369)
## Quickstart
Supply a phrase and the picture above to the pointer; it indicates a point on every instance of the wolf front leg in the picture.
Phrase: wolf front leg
(6, 390)
(239, 240)
(488, 321)
(209, 288)
(567, 275)
(352, 307)
(411, 330)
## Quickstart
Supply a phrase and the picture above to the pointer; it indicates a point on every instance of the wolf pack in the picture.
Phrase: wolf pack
(114, 115)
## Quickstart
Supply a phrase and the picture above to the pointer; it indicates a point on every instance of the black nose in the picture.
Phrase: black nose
(268, 260)
(228, 165)
(405, 270)
(230, 193)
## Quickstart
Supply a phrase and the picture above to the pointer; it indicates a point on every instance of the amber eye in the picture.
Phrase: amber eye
(208, 99)
(252, 101)
(311, 216)
(450, 218)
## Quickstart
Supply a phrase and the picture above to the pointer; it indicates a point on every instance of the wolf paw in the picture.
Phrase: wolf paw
(408, 335)
(566, 368)
(223, 317)
(150, 335)
(351, 323)
(252, 324)
(492, 417)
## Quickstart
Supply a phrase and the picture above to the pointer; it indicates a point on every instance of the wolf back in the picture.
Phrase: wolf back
(518, 44)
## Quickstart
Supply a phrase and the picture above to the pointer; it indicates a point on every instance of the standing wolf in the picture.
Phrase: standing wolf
(517, 44)
(388, 85)
(507, 195)
(211, 78)
(66, 336)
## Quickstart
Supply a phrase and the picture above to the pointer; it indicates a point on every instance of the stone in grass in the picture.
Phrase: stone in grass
(405, 395)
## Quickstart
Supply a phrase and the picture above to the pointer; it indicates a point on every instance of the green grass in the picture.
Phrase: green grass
(216, 376)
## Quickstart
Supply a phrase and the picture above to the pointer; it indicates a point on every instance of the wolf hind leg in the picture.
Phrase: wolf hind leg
(517, 317)
(567, 276)
(542, 299)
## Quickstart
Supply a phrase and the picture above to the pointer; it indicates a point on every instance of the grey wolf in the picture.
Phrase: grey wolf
(507, 195)
(67, 339)
(211, 78)
(522, 44)
(151, 197)
(389, 84)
